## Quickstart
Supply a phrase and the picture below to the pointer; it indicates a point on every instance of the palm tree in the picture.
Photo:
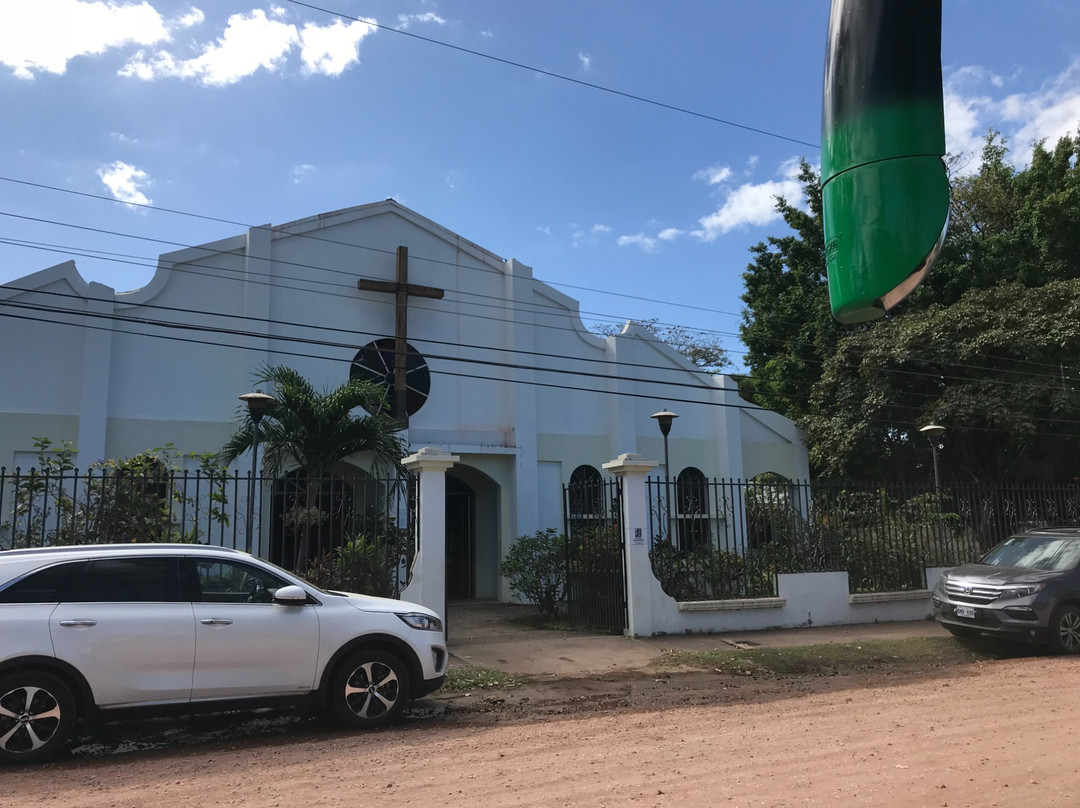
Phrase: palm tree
(315, 429)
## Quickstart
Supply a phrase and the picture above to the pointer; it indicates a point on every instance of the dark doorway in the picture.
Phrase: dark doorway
(460, 540)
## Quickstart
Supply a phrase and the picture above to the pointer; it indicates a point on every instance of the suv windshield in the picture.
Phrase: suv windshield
(1053, 553)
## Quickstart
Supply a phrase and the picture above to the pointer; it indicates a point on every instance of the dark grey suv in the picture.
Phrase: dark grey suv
(1027, 588)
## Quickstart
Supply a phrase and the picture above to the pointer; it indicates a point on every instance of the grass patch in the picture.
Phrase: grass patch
(837, 658)
(466, 678)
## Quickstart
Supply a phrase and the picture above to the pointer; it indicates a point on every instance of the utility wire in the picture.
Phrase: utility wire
(560, 76)
(1054, 378)
(528, 382)
(1053, 368)
(187, 326)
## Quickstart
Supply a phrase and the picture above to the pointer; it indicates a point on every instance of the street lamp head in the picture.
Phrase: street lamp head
(257, 403)
(664, 419)
(932, 431)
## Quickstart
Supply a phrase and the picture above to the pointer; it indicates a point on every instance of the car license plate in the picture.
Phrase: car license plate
(966, 611)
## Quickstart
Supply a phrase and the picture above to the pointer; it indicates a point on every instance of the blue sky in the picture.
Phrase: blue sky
(268, 112)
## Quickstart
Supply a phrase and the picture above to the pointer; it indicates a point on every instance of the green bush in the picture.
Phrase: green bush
(370, 565)
(130, 500)
(535, 568)
(706, 573)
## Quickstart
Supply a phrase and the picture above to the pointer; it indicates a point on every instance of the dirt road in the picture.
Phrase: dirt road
(995, 733)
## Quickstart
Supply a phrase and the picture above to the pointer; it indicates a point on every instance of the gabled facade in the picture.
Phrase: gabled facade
(517, 387)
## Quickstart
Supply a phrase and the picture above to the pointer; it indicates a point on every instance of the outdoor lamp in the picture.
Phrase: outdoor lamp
(257, 403)
(933, 432)
(664, 419)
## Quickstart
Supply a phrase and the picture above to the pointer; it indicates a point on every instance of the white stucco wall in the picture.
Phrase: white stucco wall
(520, 389)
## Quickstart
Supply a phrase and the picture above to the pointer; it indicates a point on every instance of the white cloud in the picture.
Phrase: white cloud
(597, 229)
(713, 175)
(125, 182)
(42, 36)
(302, 172)
(670, 234)
(120, 137)
(1048, 113)
(645, 243)
(330, 49)
(487, 34)
(30, 43)
(250, 42)
(586, 61)
(752, 204)
(545, 229)
(405, 20)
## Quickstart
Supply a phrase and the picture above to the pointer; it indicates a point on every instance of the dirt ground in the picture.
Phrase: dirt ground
(1001, 732)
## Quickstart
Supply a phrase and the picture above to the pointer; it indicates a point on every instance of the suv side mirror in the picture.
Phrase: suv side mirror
(290, 596)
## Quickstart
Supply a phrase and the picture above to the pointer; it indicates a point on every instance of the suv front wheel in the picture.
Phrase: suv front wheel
(1065, 629)
(369, 689)
(37, 716)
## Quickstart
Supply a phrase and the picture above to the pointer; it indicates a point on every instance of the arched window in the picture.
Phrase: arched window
(585, 494)
(692, 509)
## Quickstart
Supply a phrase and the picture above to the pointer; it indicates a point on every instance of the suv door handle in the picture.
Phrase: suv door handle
(216, 621)
(78, 623)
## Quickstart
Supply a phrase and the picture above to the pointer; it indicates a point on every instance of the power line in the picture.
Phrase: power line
(501, 305)
(463, 360)
(560, 76)
(527, 382)
(1054, 368)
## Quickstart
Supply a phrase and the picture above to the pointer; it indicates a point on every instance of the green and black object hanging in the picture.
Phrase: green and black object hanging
(885, 191)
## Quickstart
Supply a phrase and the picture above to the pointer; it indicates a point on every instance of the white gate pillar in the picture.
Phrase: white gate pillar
(640, 580)
(428, 583)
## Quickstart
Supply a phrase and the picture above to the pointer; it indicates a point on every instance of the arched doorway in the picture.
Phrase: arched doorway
(472, 534)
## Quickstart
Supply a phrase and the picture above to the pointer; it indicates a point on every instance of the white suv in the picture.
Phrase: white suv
(91, 631)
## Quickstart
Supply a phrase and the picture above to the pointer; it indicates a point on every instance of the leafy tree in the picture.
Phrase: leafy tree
(787, 325)
(984, 345)
(999, 367)
(700, 347)
(314, 429)
(1009, 225)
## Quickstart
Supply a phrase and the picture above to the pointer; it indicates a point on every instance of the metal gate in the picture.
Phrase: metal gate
(595, 571)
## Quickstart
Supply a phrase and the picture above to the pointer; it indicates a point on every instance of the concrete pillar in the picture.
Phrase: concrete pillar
(640, 581)
(428, 584)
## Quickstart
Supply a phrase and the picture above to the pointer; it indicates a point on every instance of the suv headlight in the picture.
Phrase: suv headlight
(423, 622)
(1021, 591)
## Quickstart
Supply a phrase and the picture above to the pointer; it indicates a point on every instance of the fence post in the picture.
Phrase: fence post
(640, 580)
(428, 584)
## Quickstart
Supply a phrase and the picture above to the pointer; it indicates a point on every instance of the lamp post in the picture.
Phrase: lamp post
(663, 420)
(933, 433)
(257, 403)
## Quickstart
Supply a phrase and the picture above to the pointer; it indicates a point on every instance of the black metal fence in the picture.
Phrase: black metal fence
(349, 532)
(595, 574)
(727, 539)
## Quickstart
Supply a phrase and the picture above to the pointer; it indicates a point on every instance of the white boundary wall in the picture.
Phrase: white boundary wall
(819, 599)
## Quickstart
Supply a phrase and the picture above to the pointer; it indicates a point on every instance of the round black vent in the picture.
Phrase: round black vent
(375, 363)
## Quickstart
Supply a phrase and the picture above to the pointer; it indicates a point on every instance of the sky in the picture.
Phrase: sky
(629, 152)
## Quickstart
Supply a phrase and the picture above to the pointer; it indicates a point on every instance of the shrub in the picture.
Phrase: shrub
(535, 568)
(138, 499)
(370, 565)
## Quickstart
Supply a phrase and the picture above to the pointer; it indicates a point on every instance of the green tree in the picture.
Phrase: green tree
(314, 429)
(787, 325)
(702, 348)
(973, 348)
(999, 367)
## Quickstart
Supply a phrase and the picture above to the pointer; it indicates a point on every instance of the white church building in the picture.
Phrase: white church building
(503, 376)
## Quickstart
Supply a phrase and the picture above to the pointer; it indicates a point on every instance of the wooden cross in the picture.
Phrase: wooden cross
(401, 289)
